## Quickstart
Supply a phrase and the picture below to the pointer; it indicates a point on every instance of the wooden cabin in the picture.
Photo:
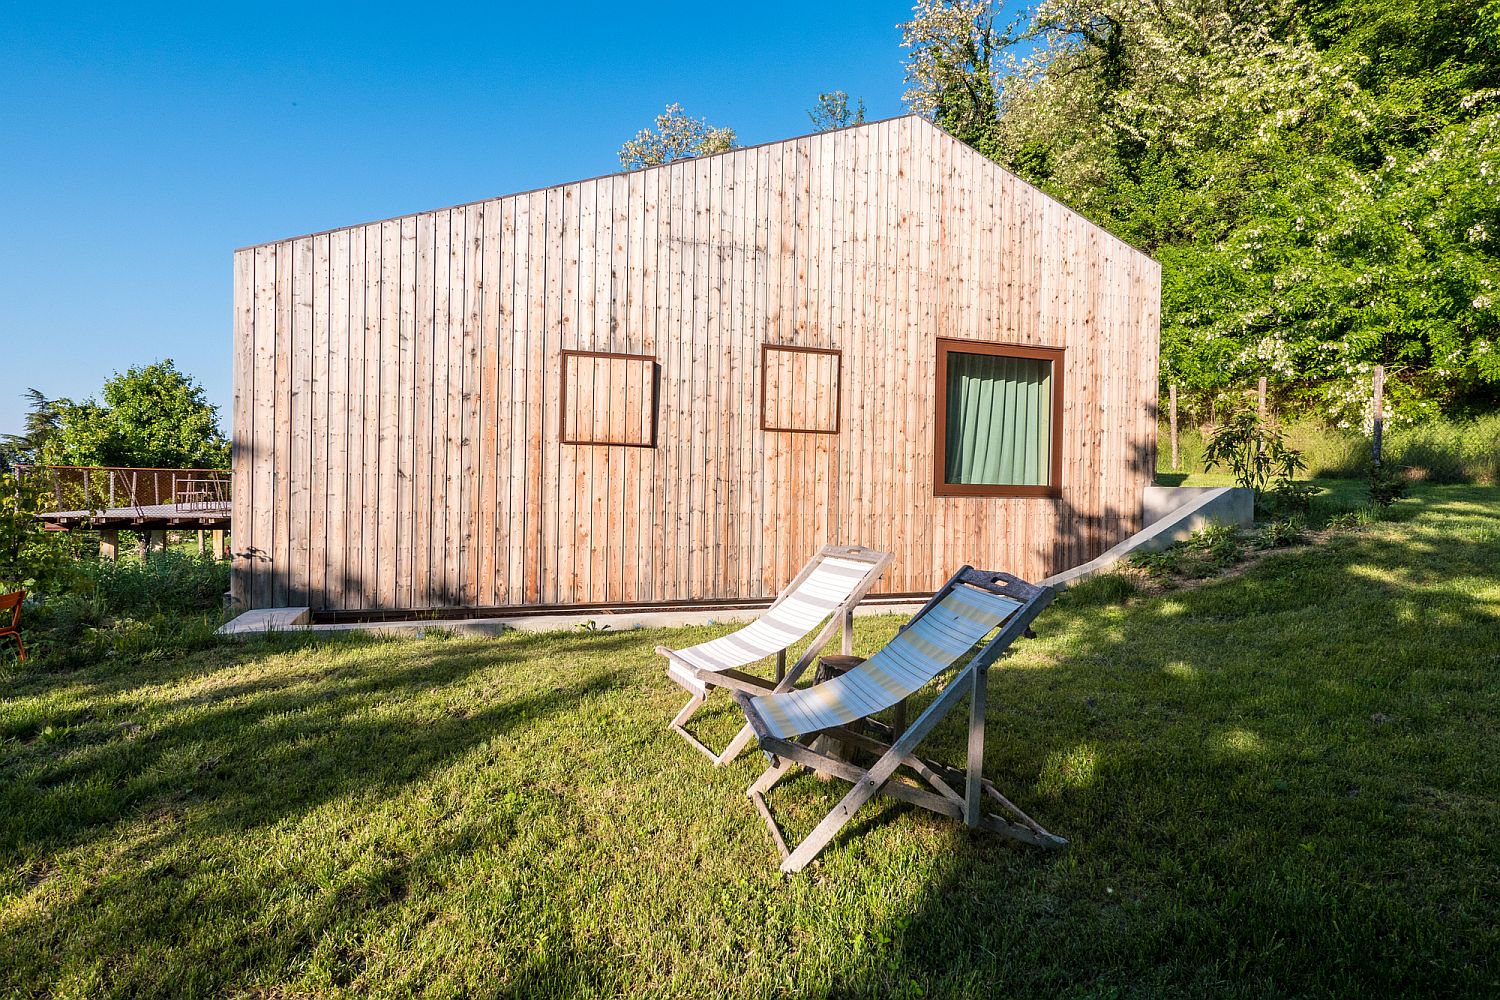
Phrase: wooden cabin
(670, 386)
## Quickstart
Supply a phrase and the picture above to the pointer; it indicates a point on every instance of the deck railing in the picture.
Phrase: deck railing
(99, 488)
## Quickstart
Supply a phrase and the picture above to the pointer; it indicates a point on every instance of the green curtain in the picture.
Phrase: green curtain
(999, 420)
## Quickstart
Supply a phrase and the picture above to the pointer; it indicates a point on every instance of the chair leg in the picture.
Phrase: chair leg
(757, 794)
(973, 807)
(812, 845)
(678, 724)
(694, 703)
(736, 746)
(1048, 839)
(872, 781)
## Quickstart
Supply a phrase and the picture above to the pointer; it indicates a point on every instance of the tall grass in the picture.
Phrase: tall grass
(166, 604)
(164, 582)
(1440, 451)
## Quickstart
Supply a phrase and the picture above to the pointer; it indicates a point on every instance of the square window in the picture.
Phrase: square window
(999, 414)
(799, 389)
(608, 399)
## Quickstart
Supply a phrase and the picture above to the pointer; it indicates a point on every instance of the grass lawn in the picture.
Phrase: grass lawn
(1282, 782)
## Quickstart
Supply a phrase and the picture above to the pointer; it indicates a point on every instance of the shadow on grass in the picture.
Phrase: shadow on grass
(1278, 784)
(280, 727)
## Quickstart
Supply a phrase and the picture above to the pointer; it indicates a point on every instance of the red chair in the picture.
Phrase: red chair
(12, 603)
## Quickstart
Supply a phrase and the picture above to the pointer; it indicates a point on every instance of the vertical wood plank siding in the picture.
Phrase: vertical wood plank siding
(399, 422)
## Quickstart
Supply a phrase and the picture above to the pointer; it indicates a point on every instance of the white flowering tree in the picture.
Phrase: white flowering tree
(953, 63)
(675, 136)
(1317, 179)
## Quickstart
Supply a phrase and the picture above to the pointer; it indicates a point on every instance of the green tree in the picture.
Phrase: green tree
(151, 416)
(43, 420)
(952, 67)
(833, 111)
(676, 136)
(32, 558)
(1320, 179)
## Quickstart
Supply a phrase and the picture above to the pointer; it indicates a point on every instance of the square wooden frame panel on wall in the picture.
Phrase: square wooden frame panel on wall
(782, 409)
(942, 488)
(619, 410)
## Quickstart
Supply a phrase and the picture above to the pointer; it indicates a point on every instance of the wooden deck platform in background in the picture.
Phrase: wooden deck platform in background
(152, 517)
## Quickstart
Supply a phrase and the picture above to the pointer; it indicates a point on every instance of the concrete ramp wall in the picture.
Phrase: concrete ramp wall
(1172, 514)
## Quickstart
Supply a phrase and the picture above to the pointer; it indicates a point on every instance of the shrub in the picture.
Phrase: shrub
(68, 631)
(1287, 499)
(1253, 448)
(1276, 534)
(1212, 548)
(1220, 542)
(1356, 518)
(1387, 484)
(1158, 564)
(171, 602)
(31, 558)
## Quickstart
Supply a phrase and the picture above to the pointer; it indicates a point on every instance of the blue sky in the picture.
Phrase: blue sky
(143, 145)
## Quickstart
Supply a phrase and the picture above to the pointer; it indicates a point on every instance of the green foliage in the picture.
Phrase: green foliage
(165, 582)
(151, 416)
(1387, 484)
(1287, 498)
(72, 631)
(1327, 451)
(1359, 517)
(1210, 550)
(833, 111)
(79, 609)
(951, 71)
(1252, 448)
(129, 608)
(1167, 563)
(1219, 542)
(675, 136)
(1448, 451)
(31, 558)
(43, 418)
(1320, 179)
(1276, 534)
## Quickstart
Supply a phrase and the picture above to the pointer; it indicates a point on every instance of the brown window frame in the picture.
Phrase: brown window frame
(838, 392)
(950, 345)
(562, 418)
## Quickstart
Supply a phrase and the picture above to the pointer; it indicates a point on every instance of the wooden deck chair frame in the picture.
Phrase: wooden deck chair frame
(12, 630)
(734, 679)
(882, 777)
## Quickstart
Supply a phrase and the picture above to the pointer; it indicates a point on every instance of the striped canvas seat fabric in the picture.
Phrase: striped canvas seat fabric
(904, 666)
(825, 588)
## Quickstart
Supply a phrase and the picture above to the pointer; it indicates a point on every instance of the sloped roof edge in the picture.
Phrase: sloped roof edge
(991, 164)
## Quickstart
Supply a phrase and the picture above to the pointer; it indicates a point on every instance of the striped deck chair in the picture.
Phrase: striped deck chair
(970, 606)
(829, 586)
